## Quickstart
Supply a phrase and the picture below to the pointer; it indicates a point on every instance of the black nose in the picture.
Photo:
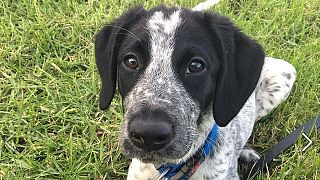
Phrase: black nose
(150, 135)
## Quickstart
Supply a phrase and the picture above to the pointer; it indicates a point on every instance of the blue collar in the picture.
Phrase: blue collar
(182, 171)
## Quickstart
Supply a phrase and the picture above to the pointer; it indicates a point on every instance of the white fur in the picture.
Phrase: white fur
(249, 155)
(141, 171)
(205, 5)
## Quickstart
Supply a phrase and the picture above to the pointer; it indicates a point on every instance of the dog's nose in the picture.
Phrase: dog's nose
(150, 135)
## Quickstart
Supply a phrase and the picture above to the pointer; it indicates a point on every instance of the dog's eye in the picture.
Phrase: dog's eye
(196, 65)
(131, 61)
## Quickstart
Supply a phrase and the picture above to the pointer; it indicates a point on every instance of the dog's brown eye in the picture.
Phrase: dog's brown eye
(196, 65)
(131, 62)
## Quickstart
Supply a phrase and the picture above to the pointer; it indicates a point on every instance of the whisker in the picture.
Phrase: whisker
(129, 36)
(125, 30)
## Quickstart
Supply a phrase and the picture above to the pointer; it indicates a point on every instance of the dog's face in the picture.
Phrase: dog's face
(173, 67)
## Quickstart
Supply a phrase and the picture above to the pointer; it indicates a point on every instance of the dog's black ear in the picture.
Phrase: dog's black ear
(107, 44)
(241, 63)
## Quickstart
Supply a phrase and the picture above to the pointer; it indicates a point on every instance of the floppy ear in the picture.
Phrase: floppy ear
(241, 62)
(107, 44)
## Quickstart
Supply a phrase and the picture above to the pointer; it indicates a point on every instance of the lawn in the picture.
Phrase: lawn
(50, 123)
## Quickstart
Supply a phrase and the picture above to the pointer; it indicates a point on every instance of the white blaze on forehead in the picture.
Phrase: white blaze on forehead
(159, 78)
(168, 25)
(162, 35)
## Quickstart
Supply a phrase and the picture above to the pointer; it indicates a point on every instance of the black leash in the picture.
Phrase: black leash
(268, 156)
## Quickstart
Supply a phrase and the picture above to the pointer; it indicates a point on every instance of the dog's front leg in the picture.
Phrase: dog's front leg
(142, 171)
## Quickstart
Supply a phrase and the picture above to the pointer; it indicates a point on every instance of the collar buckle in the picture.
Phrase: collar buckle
(161, 177)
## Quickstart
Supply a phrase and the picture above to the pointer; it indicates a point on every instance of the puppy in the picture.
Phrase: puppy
(191, 88)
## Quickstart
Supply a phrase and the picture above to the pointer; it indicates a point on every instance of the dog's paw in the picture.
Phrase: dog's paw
(142, 171)
(248, 155)
(274, 86)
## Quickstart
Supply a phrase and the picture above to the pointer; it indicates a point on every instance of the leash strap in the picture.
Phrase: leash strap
(284, 144)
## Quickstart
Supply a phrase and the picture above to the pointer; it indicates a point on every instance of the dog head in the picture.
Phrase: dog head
(173, 66)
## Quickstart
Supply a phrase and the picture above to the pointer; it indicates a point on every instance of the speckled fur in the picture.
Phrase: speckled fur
(224, 160)
(159, 88)
(275, 83)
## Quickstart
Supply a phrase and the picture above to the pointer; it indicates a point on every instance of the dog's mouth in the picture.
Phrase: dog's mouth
(176, 149)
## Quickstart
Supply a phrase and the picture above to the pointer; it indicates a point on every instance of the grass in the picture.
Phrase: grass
(50, 123)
